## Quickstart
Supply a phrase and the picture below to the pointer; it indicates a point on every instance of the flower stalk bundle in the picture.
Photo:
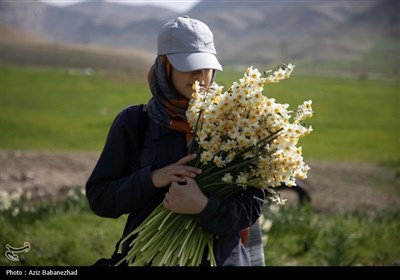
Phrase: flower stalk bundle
(242, 138)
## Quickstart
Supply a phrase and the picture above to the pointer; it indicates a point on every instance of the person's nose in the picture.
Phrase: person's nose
(201, 75)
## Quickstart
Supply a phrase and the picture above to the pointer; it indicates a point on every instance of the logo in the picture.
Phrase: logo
(12, 252)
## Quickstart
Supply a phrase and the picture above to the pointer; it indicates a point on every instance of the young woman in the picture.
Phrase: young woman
(144, 161)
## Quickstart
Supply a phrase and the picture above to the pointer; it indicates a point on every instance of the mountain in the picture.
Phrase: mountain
(19, 47)
(245, 31)
(272, 31)
(89, 22)
(29, 16)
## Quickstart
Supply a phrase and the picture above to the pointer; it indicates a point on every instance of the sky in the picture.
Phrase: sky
(178, 5)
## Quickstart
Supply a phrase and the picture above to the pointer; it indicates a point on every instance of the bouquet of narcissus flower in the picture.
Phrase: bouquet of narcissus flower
(242, 138)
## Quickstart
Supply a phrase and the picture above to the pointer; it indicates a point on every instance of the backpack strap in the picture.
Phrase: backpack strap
(142, 119)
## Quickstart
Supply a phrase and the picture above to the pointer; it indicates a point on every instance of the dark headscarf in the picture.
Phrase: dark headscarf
(167, 107)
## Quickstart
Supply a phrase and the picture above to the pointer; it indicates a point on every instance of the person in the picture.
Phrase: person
(139, 168)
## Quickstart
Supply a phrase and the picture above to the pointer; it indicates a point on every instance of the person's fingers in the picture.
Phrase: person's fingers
(165, 203)
(189, 180)
(185, 198)
(175, 172)
(186, 159)
(177, 179)
(183, 172)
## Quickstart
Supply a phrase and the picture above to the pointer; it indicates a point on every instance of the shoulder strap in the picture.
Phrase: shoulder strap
(142, 118)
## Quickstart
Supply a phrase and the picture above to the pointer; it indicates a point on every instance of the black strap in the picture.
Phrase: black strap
(142, 124)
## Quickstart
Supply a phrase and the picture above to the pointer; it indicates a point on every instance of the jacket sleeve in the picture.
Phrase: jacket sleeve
(231, 215)
(116, 185)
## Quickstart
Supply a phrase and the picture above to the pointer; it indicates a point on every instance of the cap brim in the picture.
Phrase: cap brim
(186, 62)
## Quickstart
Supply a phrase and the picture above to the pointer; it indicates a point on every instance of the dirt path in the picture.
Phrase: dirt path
(333, 187)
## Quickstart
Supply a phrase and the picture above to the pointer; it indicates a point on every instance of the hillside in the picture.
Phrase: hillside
(89, 22)
(24, 48)
(273, 31)
(245, 31)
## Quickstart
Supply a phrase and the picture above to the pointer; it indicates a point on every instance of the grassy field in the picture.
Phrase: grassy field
(41, 108)
(54, 109)
(298, 236)
(73, 234)
(381, 60)
(355, 120)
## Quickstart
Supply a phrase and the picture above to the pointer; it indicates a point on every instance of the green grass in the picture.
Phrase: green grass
(50, 109)
(60, 233)
(88, 238)
(380, 60)
(43, 108)
(67, 233)
(299, 236)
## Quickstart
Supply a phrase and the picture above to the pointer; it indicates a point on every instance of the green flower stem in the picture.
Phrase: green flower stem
(172, 235)
(187, 237)
(163, 222)
(184, 257)
(192, 244)
(210, 256)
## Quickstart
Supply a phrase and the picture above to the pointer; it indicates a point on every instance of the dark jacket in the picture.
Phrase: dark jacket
(121, 184)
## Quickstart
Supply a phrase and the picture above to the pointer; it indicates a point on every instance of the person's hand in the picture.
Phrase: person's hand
(185, 198)
(175, 172)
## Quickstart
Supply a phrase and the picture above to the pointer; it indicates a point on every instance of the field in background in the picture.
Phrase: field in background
(60, 109)
(42, 108)
(70, 106)
(381, 61)
(294, 235)
(89, 236)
